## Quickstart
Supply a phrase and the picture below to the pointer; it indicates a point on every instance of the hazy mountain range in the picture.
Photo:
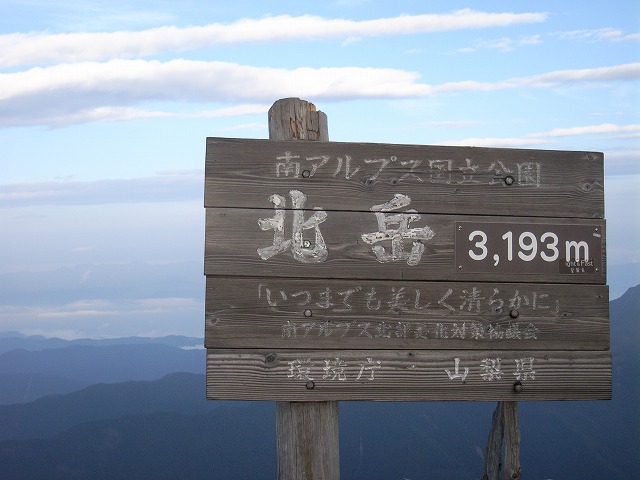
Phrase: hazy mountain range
(136, 408)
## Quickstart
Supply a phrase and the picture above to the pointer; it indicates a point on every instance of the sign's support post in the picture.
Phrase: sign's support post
(512, 441)
(307, 432)
(504, 426)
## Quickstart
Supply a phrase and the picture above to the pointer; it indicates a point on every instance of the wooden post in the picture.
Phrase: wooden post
(512, 469)
(307, 432)
(503, 426)
(493, 455)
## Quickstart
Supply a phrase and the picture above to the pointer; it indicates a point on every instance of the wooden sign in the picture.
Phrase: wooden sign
(341, 271)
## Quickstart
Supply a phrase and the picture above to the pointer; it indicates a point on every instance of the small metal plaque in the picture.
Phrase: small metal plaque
(528, 248)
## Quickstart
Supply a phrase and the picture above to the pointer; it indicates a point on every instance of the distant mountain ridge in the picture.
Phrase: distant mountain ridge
(15, 340)
(29, 374)
(183, 393)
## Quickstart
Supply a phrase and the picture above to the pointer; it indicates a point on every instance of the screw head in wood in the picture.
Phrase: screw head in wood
(517, 387)
(308, 313)
(509, 180)
(306, 173)
(310, 385)
(513, 313)
(306, 244)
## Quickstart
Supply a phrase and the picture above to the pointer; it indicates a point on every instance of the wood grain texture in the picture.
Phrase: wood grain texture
(512, 468)
(493, 452)
(241, 173)
(234, 237)
(308, 440)
(332, 314)
(295, 119)
(308, 375)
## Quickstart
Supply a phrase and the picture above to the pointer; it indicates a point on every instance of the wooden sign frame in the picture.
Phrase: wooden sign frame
(345, 271)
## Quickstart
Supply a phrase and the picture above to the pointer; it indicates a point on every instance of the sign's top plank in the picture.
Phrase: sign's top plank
(243, 173)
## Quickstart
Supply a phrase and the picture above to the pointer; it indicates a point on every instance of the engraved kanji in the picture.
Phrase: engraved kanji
(300, 369)
(529, 174)
(490, 369)
(456, 371)
(440, 171)
(468, 171)
(334, 369)
(397, 236)
(500, 171)
(287, 167)
(471, 299)
(289, 330)
(303, 251)
(524, 369)
(370, 366)
(398, 300)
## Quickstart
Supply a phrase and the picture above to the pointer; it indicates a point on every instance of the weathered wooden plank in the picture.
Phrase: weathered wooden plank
(249, 312)
(438, 179)
(417, 375)
(316, 244)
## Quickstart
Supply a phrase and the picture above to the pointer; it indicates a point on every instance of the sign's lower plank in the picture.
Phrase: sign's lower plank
(402, 245)
(385, 375)
(253, 312)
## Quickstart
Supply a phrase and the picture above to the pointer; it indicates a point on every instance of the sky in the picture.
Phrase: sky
(105, 108)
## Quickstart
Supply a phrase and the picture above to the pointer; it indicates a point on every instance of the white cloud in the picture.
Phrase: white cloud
(83, 318)
(604, 128)
(504, 44)
(598, 35)
(451, 123)
(541, 138)
(33, 48)
(90, 91)
(167, 187)
(244, 126)
(496, 142)
(236, 110)
(629, 71)
(101, 114)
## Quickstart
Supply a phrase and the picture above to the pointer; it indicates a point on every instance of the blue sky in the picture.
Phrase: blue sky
(105, 107)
